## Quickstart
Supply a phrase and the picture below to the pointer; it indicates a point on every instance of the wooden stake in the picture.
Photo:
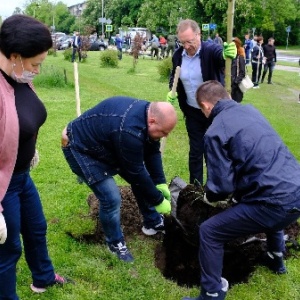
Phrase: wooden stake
(77, 89)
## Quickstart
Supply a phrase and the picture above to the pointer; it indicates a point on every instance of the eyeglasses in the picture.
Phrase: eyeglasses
(190, 42)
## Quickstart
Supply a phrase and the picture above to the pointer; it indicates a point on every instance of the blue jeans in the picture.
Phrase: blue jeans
(240, 220)
(23, 214)
(108, 194)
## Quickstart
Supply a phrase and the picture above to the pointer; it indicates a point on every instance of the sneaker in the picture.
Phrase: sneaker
(155, 229)
(57, 280)
(256, 87)
(274, 262)
(212, 296)
(120, 249)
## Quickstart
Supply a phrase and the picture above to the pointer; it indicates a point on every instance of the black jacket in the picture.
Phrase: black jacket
(212, 65)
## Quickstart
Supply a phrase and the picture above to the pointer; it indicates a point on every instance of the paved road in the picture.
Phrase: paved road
(284, 56)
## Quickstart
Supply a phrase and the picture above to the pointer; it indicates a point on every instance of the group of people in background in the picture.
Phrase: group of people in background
(262, 58)
(121, 135)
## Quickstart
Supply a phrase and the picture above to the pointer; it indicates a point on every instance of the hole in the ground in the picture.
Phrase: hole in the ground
(177, 256)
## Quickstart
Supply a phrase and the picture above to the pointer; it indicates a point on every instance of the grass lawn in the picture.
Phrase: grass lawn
(99, 275)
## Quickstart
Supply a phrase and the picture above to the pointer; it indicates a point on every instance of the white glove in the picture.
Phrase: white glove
(3, 229)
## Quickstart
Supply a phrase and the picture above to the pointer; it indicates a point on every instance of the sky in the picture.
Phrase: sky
(7, 7)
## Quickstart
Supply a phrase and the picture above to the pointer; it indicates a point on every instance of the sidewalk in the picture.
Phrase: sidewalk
(287, 68)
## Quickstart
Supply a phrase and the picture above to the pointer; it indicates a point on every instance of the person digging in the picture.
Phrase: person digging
(247, 159)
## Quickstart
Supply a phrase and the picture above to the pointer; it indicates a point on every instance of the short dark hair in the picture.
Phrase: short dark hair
(211, 91)
(24, 35)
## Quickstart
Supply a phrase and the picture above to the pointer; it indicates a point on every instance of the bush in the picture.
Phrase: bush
(52, 51)
(68, 54)
(165, 68)
(50, 76)
(109, 58)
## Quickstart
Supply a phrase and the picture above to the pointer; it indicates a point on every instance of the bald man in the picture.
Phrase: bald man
(121, 135)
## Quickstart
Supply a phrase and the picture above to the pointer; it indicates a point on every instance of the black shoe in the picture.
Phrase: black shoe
(120, 249)
(274, 262)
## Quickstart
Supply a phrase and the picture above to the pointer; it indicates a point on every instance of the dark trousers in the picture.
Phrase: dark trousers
(240, 220)
(78, 50)
(120, 53)
(196, 125)
(269, 66)
(256, 73)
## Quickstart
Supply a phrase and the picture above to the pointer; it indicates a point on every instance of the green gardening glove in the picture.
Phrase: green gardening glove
(164, 208)
(171, 99)
(229, 50)
(163, 188)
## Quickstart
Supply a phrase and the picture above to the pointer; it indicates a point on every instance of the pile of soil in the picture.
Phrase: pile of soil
(177, 255)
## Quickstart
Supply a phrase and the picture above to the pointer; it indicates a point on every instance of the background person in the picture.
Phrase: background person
(121, 136)
(171, 41)
(163, 46)
(119, 45)
(218, 40)
(76, 44)
(247, 159)
(154, 46)
(238, 71)
(195, 70)
(247, 46)
(270, 58)
(24, 43)
(257, 61)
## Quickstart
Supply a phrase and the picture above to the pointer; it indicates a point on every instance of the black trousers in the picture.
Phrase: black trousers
(196, 126)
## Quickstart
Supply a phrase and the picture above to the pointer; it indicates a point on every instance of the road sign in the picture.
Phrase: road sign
(102, 20)
(108, 28)
(205, 27)
(108, 21)
(288, 29)
(212, 26)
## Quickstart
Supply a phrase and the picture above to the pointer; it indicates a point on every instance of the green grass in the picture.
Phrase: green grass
(99, 275)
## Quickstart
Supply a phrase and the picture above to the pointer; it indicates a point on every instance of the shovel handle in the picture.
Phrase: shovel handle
(175, 81)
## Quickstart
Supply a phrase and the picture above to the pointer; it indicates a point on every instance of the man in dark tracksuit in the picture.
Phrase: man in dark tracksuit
(199, 62)
(270, 55)
(245, 158)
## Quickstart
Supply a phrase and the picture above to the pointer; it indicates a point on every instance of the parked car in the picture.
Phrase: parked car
(67, 43)
(97, 45)
(62, 42)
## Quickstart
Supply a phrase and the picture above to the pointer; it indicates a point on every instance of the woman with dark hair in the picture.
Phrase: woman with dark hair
(238, 71)
(24, 43)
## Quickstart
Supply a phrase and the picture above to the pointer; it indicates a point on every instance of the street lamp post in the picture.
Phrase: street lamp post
(102, 31)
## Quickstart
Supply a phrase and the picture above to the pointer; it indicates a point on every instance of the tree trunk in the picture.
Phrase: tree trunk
(230, 24)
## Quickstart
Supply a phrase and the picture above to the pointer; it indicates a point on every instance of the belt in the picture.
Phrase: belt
(64, 138)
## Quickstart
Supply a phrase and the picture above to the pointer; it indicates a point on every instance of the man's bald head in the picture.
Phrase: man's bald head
(162, 118)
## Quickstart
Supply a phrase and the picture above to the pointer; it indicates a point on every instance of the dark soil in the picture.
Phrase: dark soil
(177, 256)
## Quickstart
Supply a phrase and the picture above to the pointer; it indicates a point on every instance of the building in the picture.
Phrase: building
(77, 9)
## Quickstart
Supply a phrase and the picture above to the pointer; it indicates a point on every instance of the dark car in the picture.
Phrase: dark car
(97, 45)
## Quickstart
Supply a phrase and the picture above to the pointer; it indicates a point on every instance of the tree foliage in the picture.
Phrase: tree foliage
(268, 17)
